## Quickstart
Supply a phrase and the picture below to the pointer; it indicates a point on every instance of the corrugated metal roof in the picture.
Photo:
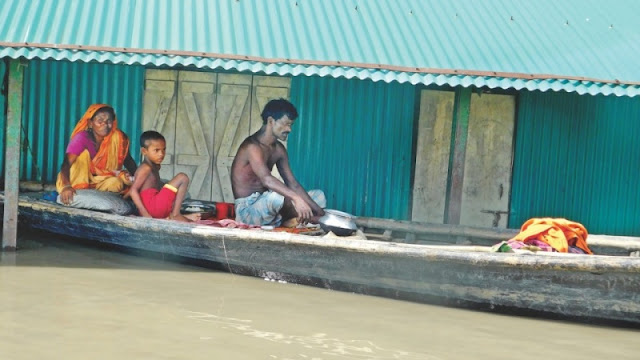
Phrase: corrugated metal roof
(572, 45)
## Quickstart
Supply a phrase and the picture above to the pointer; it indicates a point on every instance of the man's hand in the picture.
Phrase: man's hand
(303, 209)
(66, 195)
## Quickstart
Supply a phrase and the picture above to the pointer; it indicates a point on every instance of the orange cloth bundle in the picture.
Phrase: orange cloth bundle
(557, 232)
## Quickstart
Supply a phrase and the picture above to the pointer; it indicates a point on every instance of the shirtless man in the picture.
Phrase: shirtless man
(261, 198)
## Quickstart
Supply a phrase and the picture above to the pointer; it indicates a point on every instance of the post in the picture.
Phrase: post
(12, 157)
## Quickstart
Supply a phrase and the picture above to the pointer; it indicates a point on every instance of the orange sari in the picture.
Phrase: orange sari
(105, 171)
(558, 232)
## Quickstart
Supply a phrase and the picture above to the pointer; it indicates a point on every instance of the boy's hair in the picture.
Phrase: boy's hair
(148, 136)
(277, 109)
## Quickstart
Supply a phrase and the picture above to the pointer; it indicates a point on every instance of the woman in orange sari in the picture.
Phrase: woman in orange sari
(95, 156)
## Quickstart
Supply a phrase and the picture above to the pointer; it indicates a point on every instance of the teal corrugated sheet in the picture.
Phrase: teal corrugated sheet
(3, 121)
(283, 69)
(535, 43)
(578, 158)
(56, 95)
(353, 139)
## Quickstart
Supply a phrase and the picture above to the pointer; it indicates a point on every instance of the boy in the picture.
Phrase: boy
(151, 196)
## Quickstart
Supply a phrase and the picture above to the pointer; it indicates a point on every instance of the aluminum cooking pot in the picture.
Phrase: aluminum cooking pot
(338, 222)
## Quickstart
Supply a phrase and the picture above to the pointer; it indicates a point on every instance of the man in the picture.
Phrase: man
(261, 198)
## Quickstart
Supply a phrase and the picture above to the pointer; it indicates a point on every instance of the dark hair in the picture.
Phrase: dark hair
(277, 109)
(107, 109)
(150, 135)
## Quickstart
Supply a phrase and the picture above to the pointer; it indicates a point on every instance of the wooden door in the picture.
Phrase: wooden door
(232, 126)
(488, 163)
(240, 101)
(432, 156)
(205, 117)
(194, 131)
(159, 113)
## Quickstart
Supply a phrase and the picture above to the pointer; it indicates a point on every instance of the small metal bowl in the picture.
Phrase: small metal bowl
(338, 222)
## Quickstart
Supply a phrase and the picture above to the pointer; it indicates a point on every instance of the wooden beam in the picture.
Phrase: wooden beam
(12, 157)
(458, 153)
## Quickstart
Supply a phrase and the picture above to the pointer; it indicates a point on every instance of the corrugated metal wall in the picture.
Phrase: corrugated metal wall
(3, 110)
(354, 140)
(56, 95)
(578, 157)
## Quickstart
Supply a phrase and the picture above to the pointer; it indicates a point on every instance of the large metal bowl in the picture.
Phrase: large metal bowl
(338, 222)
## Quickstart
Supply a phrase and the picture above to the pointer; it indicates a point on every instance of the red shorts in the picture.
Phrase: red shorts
(159, 203)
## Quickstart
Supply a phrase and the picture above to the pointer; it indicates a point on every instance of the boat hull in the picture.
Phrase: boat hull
(592, 288)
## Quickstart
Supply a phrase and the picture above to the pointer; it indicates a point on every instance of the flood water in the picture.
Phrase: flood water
(61, 299)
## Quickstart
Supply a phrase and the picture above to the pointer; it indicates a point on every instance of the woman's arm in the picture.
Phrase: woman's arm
(130, 164)
(67, 192)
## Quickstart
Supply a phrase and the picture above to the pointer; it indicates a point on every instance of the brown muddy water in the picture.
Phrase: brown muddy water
(64, 299)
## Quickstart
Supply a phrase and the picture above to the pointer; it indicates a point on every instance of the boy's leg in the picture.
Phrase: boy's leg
(180, 182)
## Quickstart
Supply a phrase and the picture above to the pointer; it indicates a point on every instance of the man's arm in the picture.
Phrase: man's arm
(259, 167)
(287, 175)
(140, 177)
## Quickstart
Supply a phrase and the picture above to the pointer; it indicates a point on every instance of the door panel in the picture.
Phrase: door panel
(159, 113)
(487, 172)
(232, 127)
(204, 118)
(194, 130)
(432, 155)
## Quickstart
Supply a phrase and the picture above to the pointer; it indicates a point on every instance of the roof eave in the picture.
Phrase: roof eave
(294, 67)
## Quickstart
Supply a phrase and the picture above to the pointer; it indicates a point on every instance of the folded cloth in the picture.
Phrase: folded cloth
(559, 233)
(227, 223)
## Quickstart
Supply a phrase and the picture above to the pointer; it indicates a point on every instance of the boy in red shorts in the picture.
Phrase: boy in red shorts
(151, 196)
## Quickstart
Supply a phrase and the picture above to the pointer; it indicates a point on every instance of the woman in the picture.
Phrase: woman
(95, 155)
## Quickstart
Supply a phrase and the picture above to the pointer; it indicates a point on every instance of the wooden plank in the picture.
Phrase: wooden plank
(233, 98)
(159, 113)
(454, 202)
(195, 126)
(432, 156)
(436, 229)
(12, 157)
(487, 172)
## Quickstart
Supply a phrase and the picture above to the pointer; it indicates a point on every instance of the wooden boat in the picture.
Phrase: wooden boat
(448, 265)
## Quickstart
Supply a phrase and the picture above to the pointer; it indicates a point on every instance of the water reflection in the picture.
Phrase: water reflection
(320, 343)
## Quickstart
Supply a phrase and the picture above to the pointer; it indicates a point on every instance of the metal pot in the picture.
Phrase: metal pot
(338, 222)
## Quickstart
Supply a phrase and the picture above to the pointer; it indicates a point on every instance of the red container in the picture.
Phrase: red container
(225, 211)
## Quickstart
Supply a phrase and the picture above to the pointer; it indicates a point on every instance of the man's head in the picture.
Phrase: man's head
(277, 109)
(153, 146)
